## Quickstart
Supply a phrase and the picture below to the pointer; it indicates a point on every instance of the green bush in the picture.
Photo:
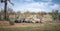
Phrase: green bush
(55, 15)
(11, 22)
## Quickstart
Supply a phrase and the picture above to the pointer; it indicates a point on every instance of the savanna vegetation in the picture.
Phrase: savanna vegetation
(8, 15)
(54, 25)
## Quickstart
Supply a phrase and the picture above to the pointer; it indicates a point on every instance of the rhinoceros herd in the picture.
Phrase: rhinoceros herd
(27, 20)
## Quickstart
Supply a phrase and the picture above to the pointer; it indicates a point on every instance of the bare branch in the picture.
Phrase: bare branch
(11, 2)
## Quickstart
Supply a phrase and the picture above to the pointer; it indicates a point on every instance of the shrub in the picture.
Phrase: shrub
(11, 22)
(55, 15)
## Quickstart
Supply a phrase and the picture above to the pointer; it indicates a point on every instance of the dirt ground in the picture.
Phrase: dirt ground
(5, 24)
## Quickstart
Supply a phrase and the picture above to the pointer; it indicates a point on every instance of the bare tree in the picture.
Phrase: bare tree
(5, 7)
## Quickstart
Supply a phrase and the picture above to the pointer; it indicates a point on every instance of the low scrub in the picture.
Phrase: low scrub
(11, 22)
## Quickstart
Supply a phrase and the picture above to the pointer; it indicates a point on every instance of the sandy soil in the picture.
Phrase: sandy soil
(5, 24)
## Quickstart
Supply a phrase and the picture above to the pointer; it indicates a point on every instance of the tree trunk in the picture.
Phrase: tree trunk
(5, 10)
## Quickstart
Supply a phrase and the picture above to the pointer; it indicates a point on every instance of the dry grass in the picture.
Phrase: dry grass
(29, 26)
(6, 24)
